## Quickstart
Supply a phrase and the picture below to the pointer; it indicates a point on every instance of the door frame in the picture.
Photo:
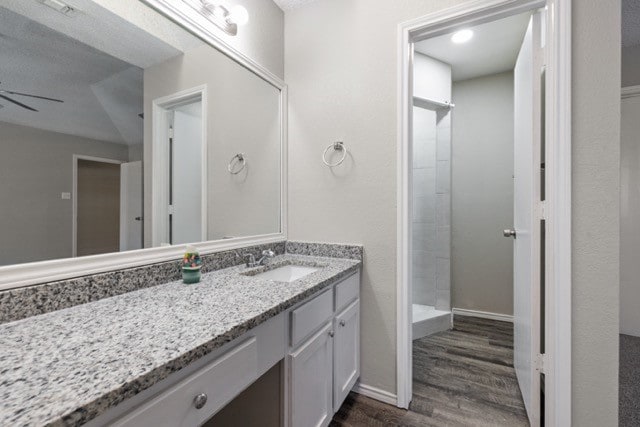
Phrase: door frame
(74, 195)
(161, 108)
(557, 362)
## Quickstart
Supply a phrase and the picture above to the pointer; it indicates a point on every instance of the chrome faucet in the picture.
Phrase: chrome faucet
(251, 262)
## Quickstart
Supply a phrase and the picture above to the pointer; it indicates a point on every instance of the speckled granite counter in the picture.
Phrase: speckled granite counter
(69, 366)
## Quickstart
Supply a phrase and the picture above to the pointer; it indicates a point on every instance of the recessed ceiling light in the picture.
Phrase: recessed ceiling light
(462, 36)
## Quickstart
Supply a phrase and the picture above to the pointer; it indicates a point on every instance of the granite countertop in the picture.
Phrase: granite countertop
(69, 366)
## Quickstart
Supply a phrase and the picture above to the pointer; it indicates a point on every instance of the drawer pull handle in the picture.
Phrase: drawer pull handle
(342, 323)
(331, 334)
(200, 400)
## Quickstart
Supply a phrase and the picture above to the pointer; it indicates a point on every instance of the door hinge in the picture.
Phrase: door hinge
(171, 132)
(542, 362)
(542, 210)
(170, 210)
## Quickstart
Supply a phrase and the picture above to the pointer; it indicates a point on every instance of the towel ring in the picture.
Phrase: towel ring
(337, 146)
(236, 160)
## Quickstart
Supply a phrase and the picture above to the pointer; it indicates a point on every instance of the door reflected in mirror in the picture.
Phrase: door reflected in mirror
(118, 135)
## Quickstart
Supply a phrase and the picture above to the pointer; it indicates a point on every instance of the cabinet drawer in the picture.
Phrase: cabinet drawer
(311, 316)
(347, 291)
(220, 381)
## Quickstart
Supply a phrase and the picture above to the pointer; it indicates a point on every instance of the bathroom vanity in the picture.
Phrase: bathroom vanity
(175, 354)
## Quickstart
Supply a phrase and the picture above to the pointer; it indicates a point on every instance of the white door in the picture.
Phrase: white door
(131, 206)
(312, 380)
(186, 175)
(346, 350)
(526, 308)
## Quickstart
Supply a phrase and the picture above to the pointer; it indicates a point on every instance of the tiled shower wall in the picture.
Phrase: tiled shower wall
(431, 208)
(431, 221)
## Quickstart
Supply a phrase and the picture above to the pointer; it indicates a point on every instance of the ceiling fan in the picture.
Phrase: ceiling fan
(4, 93)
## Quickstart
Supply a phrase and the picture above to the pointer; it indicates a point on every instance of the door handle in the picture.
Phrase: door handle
(509, 233)
(138, 218)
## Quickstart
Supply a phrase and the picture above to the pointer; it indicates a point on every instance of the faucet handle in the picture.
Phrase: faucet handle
(268, 253)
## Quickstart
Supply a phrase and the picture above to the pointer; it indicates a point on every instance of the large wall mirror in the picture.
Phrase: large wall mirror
(118, 136)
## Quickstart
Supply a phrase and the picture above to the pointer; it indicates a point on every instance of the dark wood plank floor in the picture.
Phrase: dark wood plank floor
(462, 377)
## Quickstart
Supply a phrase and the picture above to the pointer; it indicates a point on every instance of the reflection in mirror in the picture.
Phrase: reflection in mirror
(117, 135)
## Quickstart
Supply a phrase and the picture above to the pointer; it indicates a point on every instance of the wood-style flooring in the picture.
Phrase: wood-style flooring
(461, 377)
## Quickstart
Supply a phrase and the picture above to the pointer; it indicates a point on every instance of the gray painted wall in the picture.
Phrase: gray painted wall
(595, 210)
(482, 194)
(631, 66)
(35, 168)
(242, 117)
(629, 214)
(340, 63)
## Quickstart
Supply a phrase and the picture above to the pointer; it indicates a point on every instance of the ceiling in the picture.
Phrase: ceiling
(291, 4)
(99, 79)
(493, 48)
(630, 23)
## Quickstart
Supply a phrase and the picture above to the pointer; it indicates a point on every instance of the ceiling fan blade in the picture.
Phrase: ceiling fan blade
(10, 92)
(18, 103)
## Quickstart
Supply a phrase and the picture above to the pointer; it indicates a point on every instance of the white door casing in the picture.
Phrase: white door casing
(527, 200)
(131, 206)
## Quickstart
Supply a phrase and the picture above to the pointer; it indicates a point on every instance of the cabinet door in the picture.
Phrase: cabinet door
(311, 380)
(346, 369)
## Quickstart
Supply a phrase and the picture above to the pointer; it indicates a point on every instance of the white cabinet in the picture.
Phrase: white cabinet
(324, 368)
(312, 384)
(346, 350)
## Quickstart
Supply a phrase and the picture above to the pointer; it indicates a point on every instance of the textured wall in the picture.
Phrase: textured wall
(482, 194)
(595, 204)
(242, 117)
(35, 167)
(340, 64)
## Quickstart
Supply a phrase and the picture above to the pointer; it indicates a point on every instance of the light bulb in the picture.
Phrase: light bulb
(239, 15)
(462, 36)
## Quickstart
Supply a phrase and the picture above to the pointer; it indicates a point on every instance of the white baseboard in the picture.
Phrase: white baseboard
(376, 393)
(482, 314)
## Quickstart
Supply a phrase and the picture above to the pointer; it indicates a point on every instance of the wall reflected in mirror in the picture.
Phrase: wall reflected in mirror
(119, 135)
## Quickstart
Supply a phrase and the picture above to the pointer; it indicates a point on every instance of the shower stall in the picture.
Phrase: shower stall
(431, 196)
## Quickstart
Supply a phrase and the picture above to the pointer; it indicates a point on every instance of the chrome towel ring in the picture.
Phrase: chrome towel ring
(237, 164)
(337, 146)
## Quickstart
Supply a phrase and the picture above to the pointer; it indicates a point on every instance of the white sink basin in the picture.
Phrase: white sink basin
(287, 273)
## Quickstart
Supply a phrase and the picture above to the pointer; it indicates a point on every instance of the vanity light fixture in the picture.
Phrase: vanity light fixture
(223, 18)
(462, 36)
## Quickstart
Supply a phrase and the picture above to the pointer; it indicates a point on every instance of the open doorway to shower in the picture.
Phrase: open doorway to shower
(474, 217)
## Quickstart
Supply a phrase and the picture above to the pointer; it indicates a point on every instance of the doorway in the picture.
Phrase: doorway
(96, 206)
(537, 330)
(179, 184)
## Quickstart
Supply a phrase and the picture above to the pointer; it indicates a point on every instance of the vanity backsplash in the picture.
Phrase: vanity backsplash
(20, 303)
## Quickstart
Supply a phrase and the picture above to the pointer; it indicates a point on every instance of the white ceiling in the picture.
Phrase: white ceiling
(99, 79)
(291, 4)
(630, 23)
(493, 48)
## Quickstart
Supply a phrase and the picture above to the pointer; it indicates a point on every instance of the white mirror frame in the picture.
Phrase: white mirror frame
(27, 274)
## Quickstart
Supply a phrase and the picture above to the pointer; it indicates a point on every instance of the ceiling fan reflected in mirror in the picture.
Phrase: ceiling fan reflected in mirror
(4, 95)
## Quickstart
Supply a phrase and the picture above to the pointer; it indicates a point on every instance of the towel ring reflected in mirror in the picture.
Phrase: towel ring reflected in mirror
(237, 164)
(337, 146)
